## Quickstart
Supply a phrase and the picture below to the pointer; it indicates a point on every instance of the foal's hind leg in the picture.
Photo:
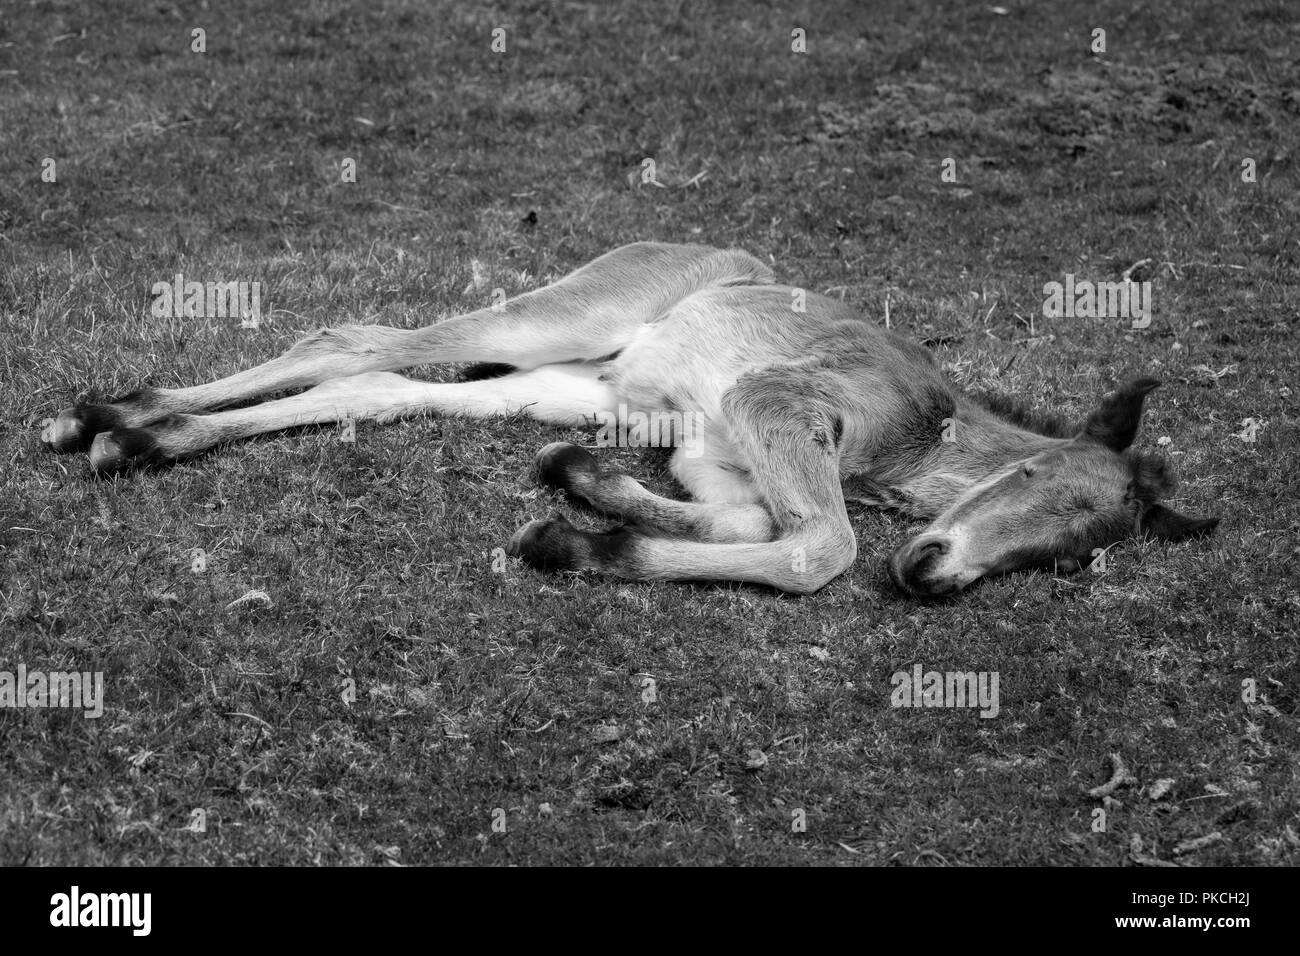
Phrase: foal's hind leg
(587, 315)
(570, 394)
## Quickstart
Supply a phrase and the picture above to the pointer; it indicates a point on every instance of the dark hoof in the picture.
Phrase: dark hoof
(560, 464)
(547, 544)
(553, 544)
(75, 428)
(114, 452)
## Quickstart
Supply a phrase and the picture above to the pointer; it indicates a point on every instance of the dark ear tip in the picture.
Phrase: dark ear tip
(1165, 524)
(1200, 528)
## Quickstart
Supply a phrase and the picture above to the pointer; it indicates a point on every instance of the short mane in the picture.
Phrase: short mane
(1022, 416)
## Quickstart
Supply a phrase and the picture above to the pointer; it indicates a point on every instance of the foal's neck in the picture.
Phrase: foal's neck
(978, 445)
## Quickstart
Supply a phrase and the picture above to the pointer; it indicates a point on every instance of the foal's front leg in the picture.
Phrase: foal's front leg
(792, 441)
(800, 562)
(571, 469)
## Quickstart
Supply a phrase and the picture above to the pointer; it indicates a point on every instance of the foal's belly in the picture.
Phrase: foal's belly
(661, 372)
(689, 358)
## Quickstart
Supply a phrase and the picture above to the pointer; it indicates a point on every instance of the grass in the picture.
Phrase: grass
(480, 690)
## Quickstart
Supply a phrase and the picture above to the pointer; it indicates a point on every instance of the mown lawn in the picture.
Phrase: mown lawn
(479, 690)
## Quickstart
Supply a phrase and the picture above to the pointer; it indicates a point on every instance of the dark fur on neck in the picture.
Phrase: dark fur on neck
(1021, 415)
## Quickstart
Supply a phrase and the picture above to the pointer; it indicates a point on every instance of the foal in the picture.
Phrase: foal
(796, 409)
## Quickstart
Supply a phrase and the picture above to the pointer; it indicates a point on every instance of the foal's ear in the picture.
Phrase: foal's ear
(1166, 524)
(1115, 422)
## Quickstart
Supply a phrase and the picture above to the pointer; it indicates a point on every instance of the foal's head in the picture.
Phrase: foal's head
(1052, 509)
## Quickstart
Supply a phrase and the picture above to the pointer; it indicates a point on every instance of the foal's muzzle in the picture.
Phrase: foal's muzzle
(912, 567)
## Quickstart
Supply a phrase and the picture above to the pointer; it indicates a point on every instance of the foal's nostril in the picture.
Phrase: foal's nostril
(923, 555)
(933, 547)
(928, 553)
(907, 565)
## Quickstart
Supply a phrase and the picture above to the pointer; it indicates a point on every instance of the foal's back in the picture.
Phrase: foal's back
(704, 344)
